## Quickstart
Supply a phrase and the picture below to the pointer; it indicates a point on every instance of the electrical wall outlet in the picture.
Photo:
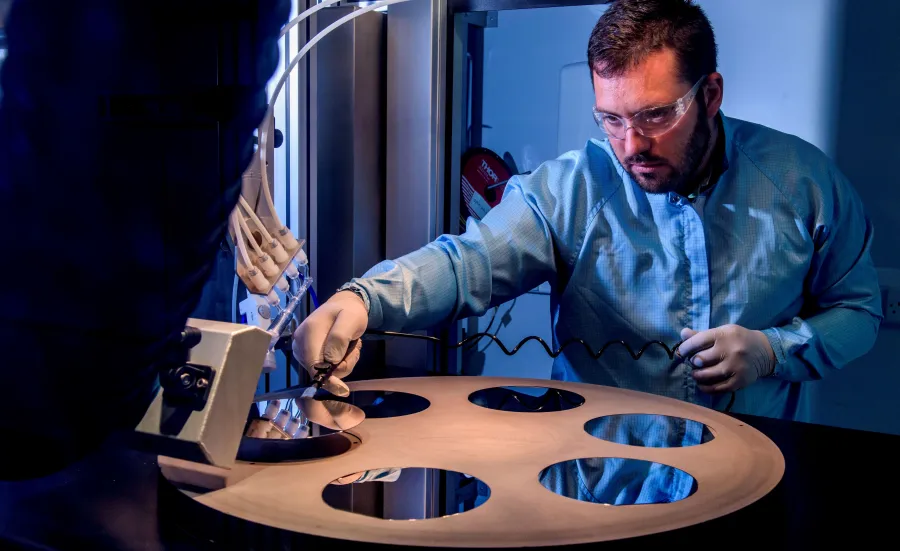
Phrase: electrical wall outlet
(891, 307)
(889, 279)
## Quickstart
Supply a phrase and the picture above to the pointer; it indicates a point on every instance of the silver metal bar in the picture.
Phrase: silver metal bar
(417, 95)
(459, 6)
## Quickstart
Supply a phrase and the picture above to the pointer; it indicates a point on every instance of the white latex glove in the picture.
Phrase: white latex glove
(331, 335)
(727, 358)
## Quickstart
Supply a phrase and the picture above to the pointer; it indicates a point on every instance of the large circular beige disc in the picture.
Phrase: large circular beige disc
(507, 451)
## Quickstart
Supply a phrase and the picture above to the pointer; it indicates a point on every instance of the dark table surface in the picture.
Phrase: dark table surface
(839, 487)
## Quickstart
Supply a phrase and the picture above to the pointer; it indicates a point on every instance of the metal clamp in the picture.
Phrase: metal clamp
(186, 384)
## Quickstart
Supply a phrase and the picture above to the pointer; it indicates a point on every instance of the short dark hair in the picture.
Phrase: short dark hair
(631, 30)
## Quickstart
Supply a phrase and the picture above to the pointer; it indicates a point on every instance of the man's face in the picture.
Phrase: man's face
(667, 162)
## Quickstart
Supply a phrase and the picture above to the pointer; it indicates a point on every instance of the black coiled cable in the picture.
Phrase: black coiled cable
(670, 352)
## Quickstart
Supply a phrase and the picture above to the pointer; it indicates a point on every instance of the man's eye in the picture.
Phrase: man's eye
(610, 120)
(658, 115)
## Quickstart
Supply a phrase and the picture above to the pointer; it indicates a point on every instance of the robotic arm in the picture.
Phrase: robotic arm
(126, 154)
(205, 422)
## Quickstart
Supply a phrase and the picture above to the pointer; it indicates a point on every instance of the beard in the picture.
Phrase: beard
(684, 171)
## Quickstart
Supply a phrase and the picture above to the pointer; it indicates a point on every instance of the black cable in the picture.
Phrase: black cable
(488, 330)
(730, 402)
(552, 353)
(505, 317)
(671, 352)
(287, 363)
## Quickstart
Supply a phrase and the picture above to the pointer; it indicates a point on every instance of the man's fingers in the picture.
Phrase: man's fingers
(334, 384)
(729, 385)
(346, 328)
(696, 343)
(336, 387)
(308, 338)
(712, 375)
(707, 358)
(310, 359)
(349, 362)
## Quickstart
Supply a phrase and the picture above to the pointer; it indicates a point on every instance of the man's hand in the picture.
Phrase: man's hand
(727, 358)
(331, 335)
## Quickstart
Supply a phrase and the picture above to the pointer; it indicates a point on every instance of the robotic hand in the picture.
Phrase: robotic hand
(331, 335)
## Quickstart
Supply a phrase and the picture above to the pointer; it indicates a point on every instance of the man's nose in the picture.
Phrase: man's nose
(635, 143)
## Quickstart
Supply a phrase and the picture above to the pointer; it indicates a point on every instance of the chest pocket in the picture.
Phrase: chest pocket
(634, 283)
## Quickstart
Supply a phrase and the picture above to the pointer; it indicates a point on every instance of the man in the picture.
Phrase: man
(683, 224)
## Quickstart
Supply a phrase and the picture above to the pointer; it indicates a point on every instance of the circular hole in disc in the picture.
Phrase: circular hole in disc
(618, 481)
(381, 404)
(389, 493)
(526, 399)
(649, 430)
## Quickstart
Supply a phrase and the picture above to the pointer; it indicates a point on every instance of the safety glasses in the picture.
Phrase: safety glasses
(652, 122)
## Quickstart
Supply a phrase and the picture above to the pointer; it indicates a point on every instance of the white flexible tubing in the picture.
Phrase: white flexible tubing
(284, 30)
(285, 315)
(293, 22)
(250, 237)
(239, 241)
(249, 210)
(308, 46)
(264, 138)
(265, 171)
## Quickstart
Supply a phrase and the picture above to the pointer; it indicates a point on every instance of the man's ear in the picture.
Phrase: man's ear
(713, 91)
